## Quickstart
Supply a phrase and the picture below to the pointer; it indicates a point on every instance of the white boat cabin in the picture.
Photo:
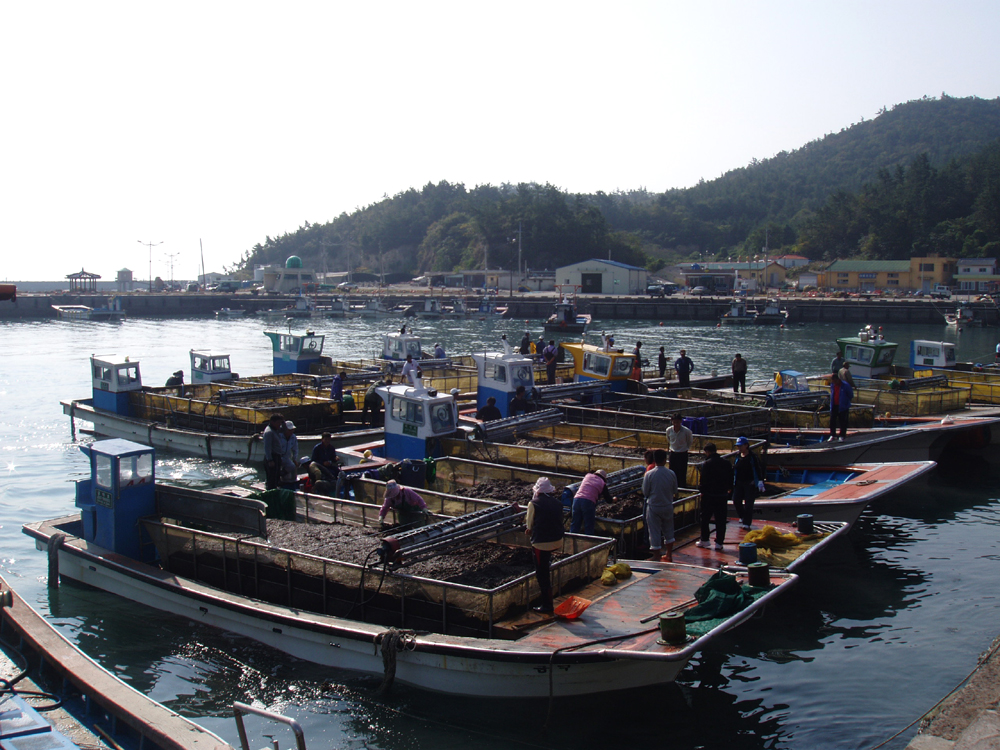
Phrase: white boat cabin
(114, 377)
(208, 367)
(931, 354)
(500, 374)
(414, 417)
(397, 345)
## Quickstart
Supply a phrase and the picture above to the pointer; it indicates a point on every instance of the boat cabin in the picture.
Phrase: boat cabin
(119, 492)
(432, 308)
(738, 313)
(207, 367)
(114, 377)
(790, 381)
(931, 354)
(397, 345)
(600, 363)
(295, 352)
(500, 374)
(414, 417)
(869, 353)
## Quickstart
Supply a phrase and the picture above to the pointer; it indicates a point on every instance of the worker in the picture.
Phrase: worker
(273, 448)
(323, 464)
(845, 374)
(684, 367)
(408, 367)
(837, 363)
(337, 387)
(739, 374)
(544, 525)
(438, 351)
(372, 403)
(176, 379)
(593, 486)
(411, 510)
(540, 344)
(519, 404)
(490, 411)
(748, 482)
(680, 439)
(841, 394)
(549, 355)
(637, 363)
(661, 362)
(526, 343)
(289, 457)
(716, 487)
(659, 487)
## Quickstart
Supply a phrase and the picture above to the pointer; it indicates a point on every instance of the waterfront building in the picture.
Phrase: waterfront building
(603, 277)
(920, 274)
(977, 275)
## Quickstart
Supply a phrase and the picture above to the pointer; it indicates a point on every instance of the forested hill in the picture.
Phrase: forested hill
(446, 226)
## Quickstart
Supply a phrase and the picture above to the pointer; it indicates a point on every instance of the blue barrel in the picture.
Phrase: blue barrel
(748, 553)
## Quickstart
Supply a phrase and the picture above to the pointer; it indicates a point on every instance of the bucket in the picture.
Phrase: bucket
(748, 553)
(804, 523)
(673, 628)
(759, 574)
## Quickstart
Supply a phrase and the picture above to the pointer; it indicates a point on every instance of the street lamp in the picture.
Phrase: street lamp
(151, 245)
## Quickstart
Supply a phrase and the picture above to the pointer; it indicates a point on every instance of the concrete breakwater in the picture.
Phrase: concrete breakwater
(529, 307)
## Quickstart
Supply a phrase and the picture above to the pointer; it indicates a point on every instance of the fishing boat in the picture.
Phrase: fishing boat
(868, 353)
(488, 305)
(566, 318)
(216, 416)
(111, 312)
(738, 314)
(374, 307)
(771, 315)
(228, 312)
(605, 363)
(963, 317)
(433, 309)
(457, 309)
(96, 708)
(303, 308)
(211, 559)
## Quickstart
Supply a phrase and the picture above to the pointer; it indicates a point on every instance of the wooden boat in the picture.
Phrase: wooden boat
(771, 315)
(458, 639)
(216, 416)
(566, 319)
(112, 312)
(94, 702)
(738, 314)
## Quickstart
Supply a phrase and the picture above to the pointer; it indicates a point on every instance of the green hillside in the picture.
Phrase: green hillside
(922, 176)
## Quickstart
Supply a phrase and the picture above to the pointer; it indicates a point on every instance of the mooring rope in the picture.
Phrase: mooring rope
(392, 641)
(53, 545)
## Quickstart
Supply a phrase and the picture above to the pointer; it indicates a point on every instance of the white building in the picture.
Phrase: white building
(603, 277)
(977, 275)
(289, 278)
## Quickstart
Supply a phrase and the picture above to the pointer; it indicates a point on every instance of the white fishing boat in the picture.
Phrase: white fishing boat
(433, 309)
(771, 315)
(738, 314)
(228, 312)
(213, 563)
(111, 312)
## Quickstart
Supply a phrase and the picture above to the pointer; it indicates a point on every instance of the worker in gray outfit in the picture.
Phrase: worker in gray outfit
(659, 487)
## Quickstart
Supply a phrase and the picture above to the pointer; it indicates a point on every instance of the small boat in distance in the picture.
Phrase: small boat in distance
(566, 319)
(111, 312)
(228, 312)
(738, 314)
(771, 315)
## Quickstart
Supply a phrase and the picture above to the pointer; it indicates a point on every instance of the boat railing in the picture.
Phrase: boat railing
(652, 413)
(384, 596)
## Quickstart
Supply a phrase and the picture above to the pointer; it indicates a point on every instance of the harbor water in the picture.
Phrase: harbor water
(876, 632)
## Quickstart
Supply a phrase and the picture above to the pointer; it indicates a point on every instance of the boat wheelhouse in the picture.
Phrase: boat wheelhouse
(603, 362)
(295, 352)
(566, 319)
(771, 315)
(500, 374)
(932, 354)
(868, 353)
(210, 367)
(738, 314)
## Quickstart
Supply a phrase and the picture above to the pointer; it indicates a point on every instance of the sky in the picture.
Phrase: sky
(217, 124)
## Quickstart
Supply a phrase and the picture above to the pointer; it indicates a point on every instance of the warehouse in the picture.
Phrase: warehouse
(602, 277)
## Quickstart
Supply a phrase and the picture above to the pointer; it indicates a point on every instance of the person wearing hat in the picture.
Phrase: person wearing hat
(289, 457)
(680, 438)
(274, 446)
(337, 388)
(176, 379)
(748, 482)
(411, 510)
(549, 354)
(592, 487)
(490, 411)
(637, 362)
(544, 525)
(716, 487)
(659, 487)
(408, 367)
(373, 403)
(526, 343)
(439, 351)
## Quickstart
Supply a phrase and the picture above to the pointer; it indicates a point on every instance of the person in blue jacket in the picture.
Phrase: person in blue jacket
(841, 394)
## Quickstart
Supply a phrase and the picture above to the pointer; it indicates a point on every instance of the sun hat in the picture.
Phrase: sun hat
(289, 425)
(543, 487)
(178, 373)
(391, 488)
(602, 473)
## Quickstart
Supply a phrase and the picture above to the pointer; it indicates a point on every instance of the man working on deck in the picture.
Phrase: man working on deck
(593, 487)
(739, 374)
(373, 403)
(176, 379)
(490, 411)
(438, 351)
(837, 363)
(408, 367)
(273, 448)
(411, 510)
(519, 404)
(680, 439)
(324, 460)
(659, 487)
(289, 478)
(526, 344)
(337, 388)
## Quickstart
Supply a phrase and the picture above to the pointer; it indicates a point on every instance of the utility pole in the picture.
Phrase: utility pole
(171, 257)
(519, 277)
(151, 245)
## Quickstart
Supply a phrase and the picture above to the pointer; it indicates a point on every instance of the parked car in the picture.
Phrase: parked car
(941, 291)
(347, 286)
(699, 290)
(655, 290)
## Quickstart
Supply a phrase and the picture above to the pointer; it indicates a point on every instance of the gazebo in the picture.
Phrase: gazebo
(83, 281)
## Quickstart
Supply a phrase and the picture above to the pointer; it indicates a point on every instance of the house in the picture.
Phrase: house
(920, 273)
(977, 275)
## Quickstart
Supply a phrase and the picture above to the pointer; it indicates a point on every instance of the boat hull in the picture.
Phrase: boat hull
(450, 664)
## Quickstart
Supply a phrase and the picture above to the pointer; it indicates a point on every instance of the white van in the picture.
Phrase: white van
(941, 291)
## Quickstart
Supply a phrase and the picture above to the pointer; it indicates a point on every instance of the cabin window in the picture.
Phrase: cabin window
(857, 354)
(596, 364)
(133, 470)
(288, 343)
(312, 343)
(101, 372)
(928, 351)
(220, 363)
(128, 375)
(949, 354)
(201, 363)
(413, 348)
(496, 372)
(404, 410)
(103, 466)
(442, 418)
(522, 375)
(623, 366)
(886, 355)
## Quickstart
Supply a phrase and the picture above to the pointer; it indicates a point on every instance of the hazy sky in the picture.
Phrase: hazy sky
(231, 121)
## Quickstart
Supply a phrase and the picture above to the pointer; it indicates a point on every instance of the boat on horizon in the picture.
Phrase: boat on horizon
(112, 312)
